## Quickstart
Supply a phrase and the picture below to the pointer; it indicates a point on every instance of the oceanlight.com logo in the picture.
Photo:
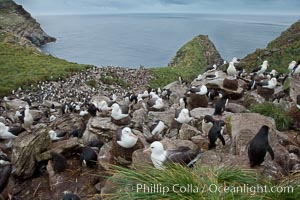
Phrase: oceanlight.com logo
(213, 188)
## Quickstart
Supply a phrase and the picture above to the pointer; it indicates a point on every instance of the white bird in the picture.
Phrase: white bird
(261, 69)
(157, 127)
(183, 116)
(271, 84)
(235, 60)
(119, 112)
(83, 113)
(125, 138)
(156, 103)
(296, 70)
(52, 118)
(4, 132)
(199, 90)
(53, 135)
(231, 71)
(291, 66)
(28, 119)
(182, 155)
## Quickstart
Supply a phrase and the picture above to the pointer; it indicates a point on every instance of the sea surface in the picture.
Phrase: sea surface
(151, 40)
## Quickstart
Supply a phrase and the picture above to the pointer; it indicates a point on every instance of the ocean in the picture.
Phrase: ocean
(151, 40)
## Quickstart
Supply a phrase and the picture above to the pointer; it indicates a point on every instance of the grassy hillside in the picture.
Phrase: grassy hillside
(20, 66)
(190, 60)
(279, 52)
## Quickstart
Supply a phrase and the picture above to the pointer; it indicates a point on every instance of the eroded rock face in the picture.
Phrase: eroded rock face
(27, 149)
(101, 128)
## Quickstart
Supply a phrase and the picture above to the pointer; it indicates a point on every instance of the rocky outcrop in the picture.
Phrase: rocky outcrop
(18, 27)
(199, 52)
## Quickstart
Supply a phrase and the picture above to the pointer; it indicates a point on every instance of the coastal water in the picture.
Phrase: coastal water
(151, 40)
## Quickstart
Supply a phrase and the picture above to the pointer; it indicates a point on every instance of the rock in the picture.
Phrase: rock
(99, 127)
(61, 147)
(251, 98)
(27, 149)
(293, 149)
(177, 90)
(104, 156)
(199, 113)
(294, 88)
(196, 100)
(230, 84)
(201, 141)
(236, 108)
(111, 186)
(240, 144)
(187, 132)
(36, 114)
(14, 104)
(68, 123)
(216, 159)
(141, 159)
(49, 104)
(167, 116)
(265, 92)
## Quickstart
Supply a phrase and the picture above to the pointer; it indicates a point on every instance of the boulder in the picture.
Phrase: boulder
(199, 113)
(99, 127)
(27, 149)
(14, 104)
(68, 123)
(167, 116)
(138, 118)
(236, 108)
(294, 88)
(231, 84)
(201, 141)
(104, 156)
(36, 114)
(186, 132)
(63, 146)
(251, 98)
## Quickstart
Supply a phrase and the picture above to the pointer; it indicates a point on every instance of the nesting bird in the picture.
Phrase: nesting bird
(231, 71)
(125, 138)
(183, 116)
(291, 66)
(119, 111)
(157, 127)
(271, 84)
(182, 155)
(198, 90)
(261, 69)
(155, 103)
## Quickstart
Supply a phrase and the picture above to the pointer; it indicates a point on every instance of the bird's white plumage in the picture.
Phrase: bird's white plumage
(292, 65)
(203, 90)
(53, 135)
(116, 112)
(231, 71)
(263, 68)
(158, 154)
(128, 139)
(4, 132)
(159, 128)
(271, 84)
(28, 119)
(158, 104)
(184, 116)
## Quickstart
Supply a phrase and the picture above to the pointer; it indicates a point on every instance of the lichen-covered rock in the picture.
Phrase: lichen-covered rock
(186, 132)
(27, 149)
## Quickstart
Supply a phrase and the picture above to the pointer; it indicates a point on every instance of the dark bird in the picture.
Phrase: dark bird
(59, 162)
(92, 109)
(221, 105)
(216, 132)
(88, 157)
(259, 146)
(96, 143)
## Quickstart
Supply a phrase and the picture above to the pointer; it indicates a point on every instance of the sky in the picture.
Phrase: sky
(54, 7)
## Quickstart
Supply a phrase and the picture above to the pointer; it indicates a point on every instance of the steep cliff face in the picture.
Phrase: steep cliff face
(199, 52)
(279, 52)
(18, 27)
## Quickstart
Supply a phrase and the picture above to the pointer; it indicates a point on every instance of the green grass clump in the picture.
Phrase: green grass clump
(20, 66)
(113, 80)
(283, 121)
(92, 83)
(165, 75)
(179, 182)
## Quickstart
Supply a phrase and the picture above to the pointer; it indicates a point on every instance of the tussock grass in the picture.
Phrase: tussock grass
(283, 121)
(178, 182)
(20, 66)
